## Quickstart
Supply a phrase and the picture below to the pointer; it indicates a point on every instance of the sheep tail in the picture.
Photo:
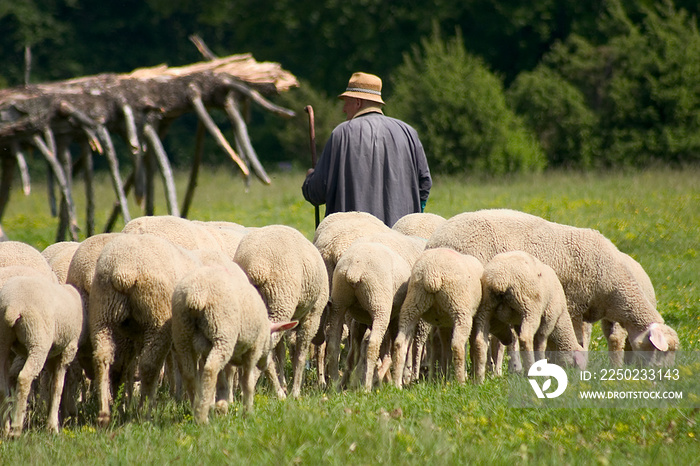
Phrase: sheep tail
(353, 274)
(432, 281)
(197, 296)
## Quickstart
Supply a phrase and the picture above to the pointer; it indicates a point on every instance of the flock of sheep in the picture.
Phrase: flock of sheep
(207, 304)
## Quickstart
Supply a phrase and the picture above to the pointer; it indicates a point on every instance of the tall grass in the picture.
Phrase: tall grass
(653, 216)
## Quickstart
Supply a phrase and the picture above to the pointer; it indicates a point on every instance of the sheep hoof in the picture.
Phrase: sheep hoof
(103, 419)
(222, 407)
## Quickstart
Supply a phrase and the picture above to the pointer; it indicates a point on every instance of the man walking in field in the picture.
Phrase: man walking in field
(371, 163)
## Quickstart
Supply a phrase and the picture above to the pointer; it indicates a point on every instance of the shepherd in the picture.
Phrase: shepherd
(371, 163)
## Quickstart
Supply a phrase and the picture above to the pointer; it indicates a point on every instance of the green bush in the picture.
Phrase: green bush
(642, 83)
(557, 112)
(458, 108)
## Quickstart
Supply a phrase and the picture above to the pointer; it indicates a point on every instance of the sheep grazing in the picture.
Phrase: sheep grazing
(521, 292)
(290, 275)
(445, 291)
(596, 280)
(42, 321)
(81, 271)
(369, 283)
(130, 308)
(59, 255)
(408, 249)
(618, 344)
(420, 224)
(219, 317)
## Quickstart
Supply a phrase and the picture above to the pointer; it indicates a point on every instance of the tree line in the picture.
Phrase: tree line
(490, 85)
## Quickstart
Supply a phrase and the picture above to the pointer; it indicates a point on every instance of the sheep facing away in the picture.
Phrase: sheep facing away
(290, 275)
(521, 292)
(18, 253)
(369, 283)
(421, 224)
(59, 255)
(597, 283)
(445, 291)
(130, 308)
(219, 317)
(41, 321)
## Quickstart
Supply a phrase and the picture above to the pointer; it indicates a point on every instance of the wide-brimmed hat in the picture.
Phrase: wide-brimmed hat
(364, 86)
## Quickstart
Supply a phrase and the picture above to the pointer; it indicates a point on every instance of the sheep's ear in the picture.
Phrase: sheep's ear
(580, 359)
(282, 326)
(657, 337)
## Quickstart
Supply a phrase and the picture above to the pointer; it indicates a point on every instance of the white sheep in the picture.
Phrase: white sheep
(81, 272)
(290, 275)
(445, 291)
(596, 280)
(219, 317)
(339, 230)
(42, 321)
(227, 234)
(369, 283)
(59, 255)
(185, 233)
(421, 224)
(18, 253)
(521, 292)
(407, 248)
(130, 303)
(618, 343)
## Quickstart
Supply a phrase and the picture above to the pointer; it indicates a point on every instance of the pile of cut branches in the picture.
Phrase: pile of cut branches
(139, 107)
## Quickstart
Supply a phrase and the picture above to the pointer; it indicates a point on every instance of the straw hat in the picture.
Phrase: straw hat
(364, 86)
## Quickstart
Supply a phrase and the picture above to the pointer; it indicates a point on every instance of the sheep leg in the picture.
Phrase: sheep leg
(460, 334)
(305, 334)
(32, 367)
(527, 350)
(540, 345)
(57, 369)
(249, 377)
(420, 337)
(74, 376)
(357, 334)
(335, 333)
(582, 329)
(271, 373)
(616, 336)
(225, 387)
(187, 361)
(480, 345)
(280, 355)
(214, 363)
(380, 323)
(321, 365)
(155, 350)
(103, 356)
(407, 326)
(384, 368)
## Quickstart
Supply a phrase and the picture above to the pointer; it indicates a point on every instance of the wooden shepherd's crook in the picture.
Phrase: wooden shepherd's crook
(312, 136)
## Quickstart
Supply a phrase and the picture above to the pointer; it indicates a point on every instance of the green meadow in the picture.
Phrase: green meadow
(652, 215)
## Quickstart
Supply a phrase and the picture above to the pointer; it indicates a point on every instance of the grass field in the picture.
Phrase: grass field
(654, 216)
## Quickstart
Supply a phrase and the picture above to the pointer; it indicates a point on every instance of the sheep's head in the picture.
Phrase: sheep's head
(657, 345)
